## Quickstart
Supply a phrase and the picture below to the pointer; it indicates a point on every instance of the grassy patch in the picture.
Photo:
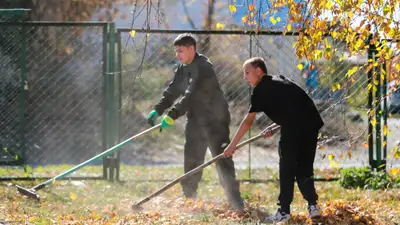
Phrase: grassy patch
(103, 202)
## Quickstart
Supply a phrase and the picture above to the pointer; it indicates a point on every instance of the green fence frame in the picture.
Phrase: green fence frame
(110, 126)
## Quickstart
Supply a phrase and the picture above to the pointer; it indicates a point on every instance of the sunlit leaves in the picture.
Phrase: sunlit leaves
(300, 66)
(251, 7)
(220, 26)
(232, 8)
(289, 27)
(273, 20)
(351, 71)
(397, 67)
(132, 33)
(336, 87)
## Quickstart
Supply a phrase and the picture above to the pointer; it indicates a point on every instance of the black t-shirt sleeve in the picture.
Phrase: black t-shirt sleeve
(256, 102)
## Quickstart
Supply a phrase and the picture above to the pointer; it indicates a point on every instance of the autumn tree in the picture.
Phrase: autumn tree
(359, 24)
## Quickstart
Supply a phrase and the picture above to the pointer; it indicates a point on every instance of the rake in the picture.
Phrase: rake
(137, 205)
(31, 192)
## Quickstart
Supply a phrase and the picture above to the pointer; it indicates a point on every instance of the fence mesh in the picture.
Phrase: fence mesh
(53, 96)
(63, 92)
(148, 62)
(10, 83)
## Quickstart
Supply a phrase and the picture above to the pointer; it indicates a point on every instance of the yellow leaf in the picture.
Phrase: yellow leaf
(385, 130)
(72, 196)
(351, 71)
(338, 86)
(329, 5)
(390, 133)
(272, 19)
(390, 115)
(349, 153)
(289, 27)
(220, 26)
(278, 19)
(350, 14)
(148, 34)
(300, 66)
(232, 8)
(334, 34)
(244, 19)
(384, 144)
(251, 7)
(369, 86)
(132, 33)
(398, 67)
(373, 122)
(331, 157)
(376, 64)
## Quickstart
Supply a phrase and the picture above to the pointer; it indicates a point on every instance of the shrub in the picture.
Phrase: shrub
(367, 178)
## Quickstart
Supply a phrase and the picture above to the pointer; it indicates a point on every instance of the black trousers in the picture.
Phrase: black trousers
(215, 136)
(296, 162)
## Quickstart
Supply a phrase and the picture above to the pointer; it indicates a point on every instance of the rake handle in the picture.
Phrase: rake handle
(273, 127)
(101, 155)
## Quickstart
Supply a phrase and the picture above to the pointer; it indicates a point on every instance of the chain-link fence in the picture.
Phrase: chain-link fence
(148, 63)
(72, 90)
(52, 91)
(11, 113)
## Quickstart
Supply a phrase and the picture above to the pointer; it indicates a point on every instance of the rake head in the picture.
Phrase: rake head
(136, 208)
(28, 192)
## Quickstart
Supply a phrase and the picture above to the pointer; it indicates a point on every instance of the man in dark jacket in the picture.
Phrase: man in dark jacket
(289, 106)
(208, 117)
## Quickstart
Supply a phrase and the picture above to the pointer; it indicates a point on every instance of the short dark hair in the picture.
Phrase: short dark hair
(257, 62)
(185, 39)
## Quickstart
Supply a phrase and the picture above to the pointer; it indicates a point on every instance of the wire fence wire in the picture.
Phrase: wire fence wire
(53, 96)
(63, 92)
(148, 63)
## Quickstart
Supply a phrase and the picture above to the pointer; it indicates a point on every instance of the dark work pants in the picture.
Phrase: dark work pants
(296, 162)
(216, 137)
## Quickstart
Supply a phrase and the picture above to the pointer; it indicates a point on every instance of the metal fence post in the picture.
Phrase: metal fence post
(105, 98)
(118, 105)
(110, 163)
(385, 128)
(378, 112)
(23, 88)
(370, 108)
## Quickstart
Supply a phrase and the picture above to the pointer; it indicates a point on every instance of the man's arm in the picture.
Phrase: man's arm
(245, 125)
(170, 94)
(181, 107)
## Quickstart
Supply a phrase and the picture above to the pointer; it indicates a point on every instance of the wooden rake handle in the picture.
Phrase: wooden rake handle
(136, 206)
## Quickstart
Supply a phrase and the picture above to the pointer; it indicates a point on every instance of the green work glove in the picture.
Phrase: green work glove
(167, 121)
(152, 117)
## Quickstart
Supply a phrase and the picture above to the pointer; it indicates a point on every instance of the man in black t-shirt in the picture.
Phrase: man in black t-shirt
(289, 106)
